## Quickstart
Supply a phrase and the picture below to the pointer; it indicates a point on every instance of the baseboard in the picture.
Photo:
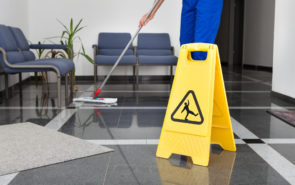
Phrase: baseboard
(87, 79)
(125, 79)
(257, 68)
(283, 97)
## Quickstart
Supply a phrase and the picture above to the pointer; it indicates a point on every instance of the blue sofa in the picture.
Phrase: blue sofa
(16, 57)
(152, 49)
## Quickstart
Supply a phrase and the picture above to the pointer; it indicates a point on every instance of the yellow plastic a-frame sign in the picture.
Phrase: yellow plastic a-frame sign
(197, 113)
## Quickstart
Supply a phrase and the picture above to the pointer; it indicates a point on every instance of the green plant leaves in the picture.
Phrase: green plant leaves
(83, 53)
(69, 36)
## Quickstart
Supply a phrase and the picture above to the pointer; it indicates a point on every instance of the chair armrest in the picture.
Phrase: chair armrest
(48, 46)
(4, 56)
(52, 46)
(95, 49)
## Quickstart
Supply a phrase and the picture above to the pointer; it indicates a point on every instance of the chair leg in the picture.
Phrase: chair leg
(20, 87)
(95, 73)
(58, 91)
(66, 89)
(171, 72)
(137, 74)
(134, 71)
(20, 79)
(6, 86)
(21, 96)
(171, 76)
(71, 86)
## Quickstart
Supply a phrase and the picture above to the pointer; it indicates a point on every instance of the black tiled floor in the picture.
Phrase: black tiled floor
(251, 169)
(263, 124)
(40, 116)
(139, 115)
(119, 124)
(244, 99)
(32, 99)
(261, 75)
(116, 124)
(138, 165)
(249, 86)
(256, 99)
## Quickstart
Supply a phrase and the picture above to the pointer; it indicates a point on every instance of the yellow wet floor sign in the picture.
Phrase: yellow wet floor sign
(197, 113)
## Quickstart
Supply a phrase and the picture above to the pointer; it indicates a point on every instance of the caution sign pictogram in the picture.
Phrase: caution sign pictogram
(188, 110)
(197, 113)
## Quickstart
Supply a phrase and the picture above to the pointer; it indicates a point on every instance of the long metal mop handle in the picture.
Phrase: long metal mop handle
(130, 42)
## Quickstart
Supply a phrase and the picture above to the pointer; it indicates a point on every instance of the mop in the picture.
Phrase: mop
(95, 98)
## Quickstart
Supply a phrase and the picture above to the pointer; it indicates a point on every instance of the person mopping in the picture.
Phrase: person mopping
(113, 101)
(200, 20)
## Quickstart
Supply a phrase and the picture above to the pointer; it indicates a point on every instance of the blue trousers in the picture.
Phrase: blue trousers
(200, 20)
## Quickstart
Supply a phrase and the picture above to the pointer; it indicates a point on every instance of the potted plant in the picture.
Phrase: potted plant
(69, 37)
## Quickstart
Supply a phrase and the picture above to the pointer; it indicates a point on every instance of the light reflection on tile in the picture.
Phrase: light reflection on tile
(181, 170)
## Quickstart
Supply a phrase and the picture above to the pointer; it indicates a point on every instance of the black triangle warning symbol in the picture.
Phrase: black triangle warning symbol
(188, 110)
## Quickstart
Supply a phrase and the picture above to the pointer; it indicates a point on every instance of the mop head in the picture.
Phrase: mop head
(96, 100)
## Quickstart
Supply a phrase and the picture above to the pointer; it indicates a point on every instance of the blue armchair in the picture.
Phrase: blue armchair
(155, 49)
(16, 57)
(109, 48)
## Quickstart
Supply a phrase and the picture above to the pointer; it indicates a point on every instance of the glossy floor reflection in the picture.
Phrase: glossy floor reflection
(38, 115)
(135, 165)
(265, 144)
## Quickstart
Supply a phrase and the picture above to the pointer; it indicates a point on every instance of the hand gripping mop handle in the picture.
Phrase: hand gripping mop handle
(124, 51)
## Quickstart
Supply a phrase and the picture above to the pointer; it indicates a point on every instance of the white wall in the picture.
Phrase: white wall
(284, 39)
(258, 32)
(14, 13)
(103, 16)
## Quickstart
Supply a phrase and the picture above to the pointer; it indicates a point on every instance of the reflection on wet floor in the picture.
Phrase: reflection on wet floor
(180, 169)
(136, 123)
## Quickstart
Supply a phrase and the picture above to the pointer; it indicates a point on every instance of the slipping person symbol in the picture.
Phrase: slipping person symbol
(186, 107)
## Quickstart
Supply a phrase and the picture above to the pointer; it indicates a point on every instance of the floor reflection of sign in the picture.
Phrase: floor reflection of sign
(188, 110)
(188, 174)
